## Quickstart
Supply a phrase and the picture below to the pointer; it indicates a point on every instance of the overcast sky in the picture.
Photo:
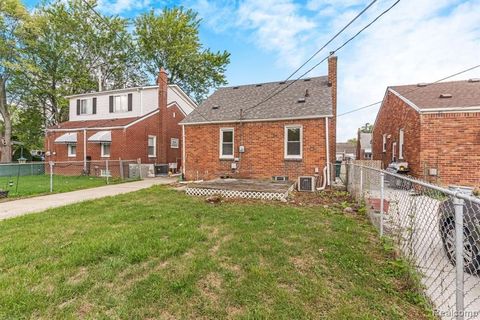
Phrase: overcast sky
(417, 41)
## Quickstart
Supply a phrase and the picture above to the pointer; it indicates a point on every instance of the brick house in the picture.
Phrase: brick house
(435, 128)
(364, 146)
(128, 124)
(238, 132)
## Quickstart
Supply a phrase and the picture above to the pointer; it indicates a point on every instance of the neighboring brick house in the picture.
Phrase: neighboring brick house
(128, 124)
(364, 146)
(435, 128)
(239, 132)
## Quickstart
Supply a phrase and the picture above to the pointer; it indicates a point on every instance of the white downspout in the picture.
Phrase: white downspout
(85, 150)
(327, 140)
(183, 150)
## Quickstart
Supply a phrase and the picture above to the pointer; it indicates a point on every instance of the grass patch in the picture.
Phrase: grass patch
(27, 186)
(157, 253)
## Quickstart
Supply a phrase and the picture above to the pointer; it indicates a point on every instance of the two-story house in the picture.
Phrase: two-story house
(128, 124)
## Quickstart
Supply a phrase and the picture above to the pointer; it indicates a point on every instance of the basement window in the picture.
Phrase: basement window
(293, 142)
(226, 143)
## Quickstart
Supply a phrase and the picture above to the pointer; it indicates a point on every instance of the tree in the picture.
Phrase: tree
(171, 41)
(12, 17)
(352, 141)
(73, 51)
(367, 128)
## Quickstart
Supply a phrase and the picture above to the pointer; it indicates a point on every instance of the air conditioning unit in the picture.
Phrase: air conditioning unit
(306, 183)
(280, 178)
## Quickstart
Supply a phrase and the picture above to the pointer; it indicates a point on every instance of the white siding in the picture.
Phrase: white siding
(143, 101)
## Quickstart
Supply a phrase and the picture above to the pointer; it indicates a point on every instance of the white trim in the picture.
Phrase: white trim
(408, 102)
(451, 110)
(401, 142)
(394, 149)
(154, 146)
(221, 155)
(183, 151)
(174, 103)
(327, 152)
(384, 142)
(69, 151)
(255, 120)
(102, 151)
(285, 142)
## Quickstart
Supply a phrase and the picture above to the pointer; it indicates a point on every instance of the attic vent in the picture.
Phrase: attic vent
(474, 80)
(283, 82)
(301, 100)
(421, 84)
(258, 85)
(215, 107)
(235, 87)
(308, 79)
(445, 95)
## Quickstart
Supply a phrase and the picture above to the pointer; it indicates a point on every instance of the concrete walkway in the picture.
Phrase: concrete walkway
(20, 207)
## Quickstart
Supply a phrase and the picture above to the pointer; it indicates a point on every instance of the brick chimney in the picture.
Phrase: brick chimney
(332, 80)
(162, 145)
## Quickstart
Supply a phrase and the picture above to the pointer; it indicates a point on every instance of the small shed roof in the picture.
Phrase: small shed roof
(101, 136)
(70, 137)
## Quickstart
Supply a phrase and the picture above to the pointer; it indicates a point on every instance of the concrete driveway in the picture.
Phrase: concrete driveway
(20, 207)
(413, 221)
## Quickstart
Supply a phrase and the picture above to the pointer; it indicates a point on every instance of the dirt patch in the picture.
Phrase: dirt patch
(84, 310)
(303, 263)
(78, 277)
(234, 312)
(210, 287)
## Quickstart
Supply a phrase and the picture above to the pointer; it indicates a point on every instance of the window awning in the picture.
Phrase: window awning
(101, 136)
(67, 138)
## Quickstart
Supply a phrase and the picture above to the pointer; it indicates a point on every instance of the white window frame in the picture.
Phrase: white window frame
(123, 103)
(401, 141)
(394, 149)
(222, 156)
(69, 150)
(174, 143)
(154, 146)
(384, 142)
(285, 142)
(102, 150)
(84, 103)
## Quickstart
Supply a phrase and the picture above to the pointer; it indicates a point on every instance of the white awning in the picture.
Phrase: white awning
(67, 138)
(101, 136)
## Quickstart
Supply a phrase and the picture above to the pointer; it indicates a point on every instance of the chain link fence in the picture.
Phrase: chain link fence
(28, 179)
(436, 229)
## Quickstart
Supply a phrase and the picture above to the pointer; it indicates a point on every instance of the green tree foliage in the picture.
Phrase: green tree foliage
(367, 128)
(170, 40)
(12, 17)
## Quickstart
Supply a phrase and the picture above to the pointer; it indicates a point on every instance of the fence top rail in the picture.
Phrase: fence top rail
(454, 193)
(72, 162)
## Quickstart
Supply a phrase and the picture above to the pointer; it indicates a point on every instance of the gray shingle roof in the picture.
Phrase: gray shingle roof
(225, 103)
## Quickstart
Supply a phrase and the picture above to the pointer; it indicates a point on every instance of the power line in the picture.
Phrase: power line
(324, 59)
(412, 90)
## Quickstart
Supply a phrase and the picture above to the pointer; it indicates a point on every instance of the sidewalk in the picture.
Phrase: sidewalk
(20, 207)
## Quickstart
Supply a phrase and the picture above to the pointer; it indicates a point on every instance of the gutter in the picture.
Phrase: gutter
(256, 120)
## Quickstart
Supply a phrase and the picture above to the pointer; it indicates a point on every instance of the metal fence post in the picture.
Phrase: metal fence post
(107, 173)
(51, 176)
(361, 183)
(382, 197)
(459, 263)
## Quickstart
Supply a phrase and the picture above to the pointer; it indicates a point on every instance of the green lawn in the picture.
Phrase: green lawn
(40, 184)
(158, 254)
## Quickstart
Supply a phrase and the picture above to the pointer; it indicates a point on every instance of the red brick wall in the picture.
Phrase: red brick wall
(448, 142)
(451, 144)
(264, 150)
(393, 116)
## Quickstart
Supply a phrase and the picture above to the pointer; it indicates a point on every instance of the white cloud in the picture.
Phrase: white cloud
(417, 42)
